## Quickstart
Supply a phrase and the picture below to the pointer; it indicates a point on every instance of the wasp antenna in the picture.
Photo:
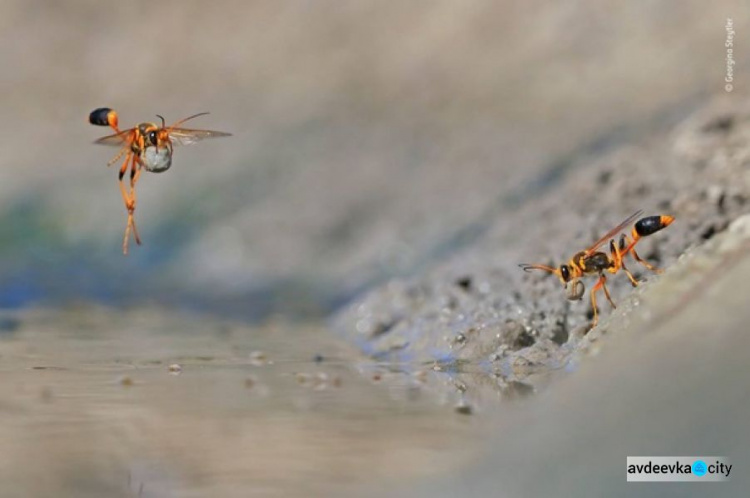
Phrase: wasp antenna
(178, 123)
(528, 267)
(163, 123)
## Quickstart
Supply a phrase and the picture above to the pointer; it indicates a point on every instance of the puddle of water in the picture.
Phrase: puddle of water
(144, 403)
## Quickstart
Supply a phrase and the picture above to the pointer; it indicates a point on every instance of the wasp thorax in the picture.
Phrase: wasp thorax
(156, 159)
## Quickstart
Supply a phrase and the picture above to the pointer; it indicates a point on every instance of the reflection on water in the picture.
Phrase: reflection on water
(98, 403)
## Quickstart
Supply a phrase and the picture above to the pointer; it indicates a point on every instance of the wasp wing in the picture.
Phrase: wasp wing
(185, 136)
(619, 228)
(118, 139)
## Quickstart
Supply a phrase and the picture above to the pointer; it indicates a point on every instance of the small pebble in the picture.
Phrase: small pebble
(302, 378)
(321, 381)
(464, 408)
(175, 369)
(258, 358)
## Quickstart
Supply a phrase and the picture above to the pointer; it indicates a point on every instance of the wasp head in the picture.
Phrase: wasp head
(153, 138)
(564, 274)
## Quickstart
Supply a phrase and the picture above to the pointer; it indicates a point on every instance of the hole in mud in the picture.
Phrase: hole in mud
(465, 283)
(708, 232)
(721, 124)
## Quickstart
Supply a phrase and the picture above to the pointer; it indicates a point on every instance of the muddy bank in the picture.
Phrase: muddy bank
(665, 375)
(480, 308)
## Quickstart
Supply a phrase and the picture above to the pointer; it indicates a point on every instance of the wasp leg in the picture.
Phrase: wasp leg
(618, 256)
(135, 164)
(135, 169)
(131, 224)
(125, 197)
(600, 284)
(633, 281)
(646, 263)
(135, 173)
(134, 177)
(606, 292)
(129, 200)
(615, 257)
(631, 249)
(135, 234)
(594, 290)
(119, 155)
(126, 148)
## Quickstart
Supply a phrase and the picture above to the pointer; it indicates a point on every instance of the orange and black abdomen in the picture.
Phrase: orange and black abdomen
(103, 116)
(651, 224)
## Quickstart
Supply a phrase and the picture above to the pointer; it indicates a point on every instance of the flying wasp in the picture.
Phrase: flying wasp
(591, 261)
(146, 146)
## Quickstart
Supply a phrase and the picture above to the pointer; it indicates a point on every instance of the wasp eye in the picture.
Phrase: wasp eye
(565, 272)
(152, 138)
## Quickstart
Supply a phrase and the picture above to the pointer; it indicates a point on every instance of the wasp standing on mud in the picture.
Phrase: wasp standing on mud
(593, 262)
(145, 146)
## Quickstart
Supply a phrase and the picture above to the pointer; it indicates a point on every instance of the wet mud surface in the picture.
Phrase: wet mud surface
(518, 327)
(665, 375)
(99, 402)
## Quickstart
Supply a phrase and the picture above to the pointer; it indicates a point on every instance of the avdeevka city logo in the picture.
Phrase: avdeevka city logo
(699, 468)
(671, 469)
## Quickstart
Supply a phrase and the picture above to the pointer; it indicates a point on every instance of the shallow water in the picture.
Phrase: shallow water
(93, 404)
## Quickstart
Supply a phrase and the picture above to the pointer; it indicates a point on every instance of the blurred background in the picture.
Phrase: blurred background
(370, 139)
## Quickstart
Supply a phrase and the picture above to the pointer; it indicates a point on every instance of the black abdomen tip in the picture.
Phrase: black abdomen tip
(648, 225)
(100, 117)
